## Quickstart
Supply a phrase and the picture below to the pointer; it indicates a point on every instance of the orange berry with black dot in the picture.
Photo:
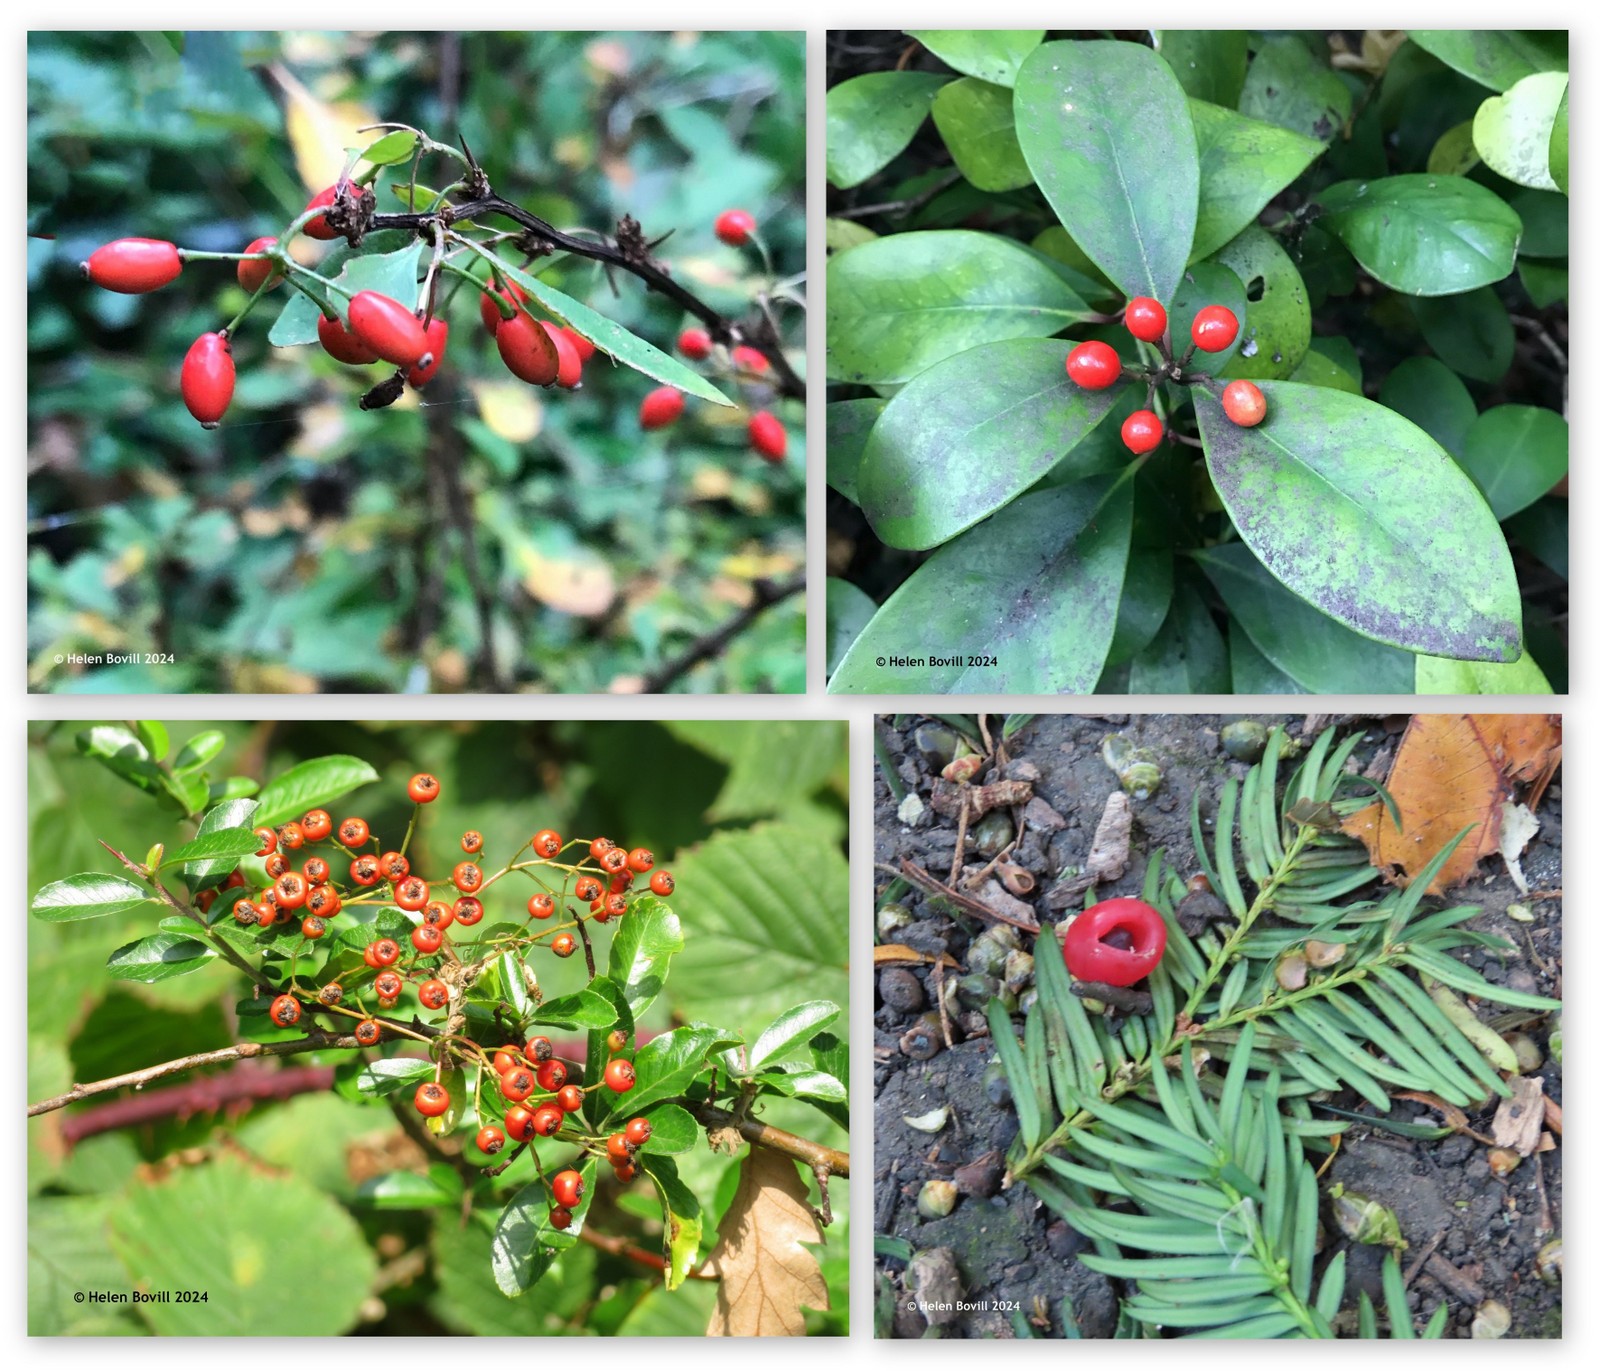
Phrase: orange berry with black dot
(569, 1099)
(617, 1149)
(276, 865)
(541, 906)
(423, 788)
(519, 1123)
(547, 1120)
(285, 1011)
(518, 1083)
(394, 866)
(269, 841)
(472, 842)
(468, 910)
(426, 939)
(316, 825)
(432, 1099)
(290, 888)
(438, 914)
(434, 994)
(467, 877)
(567, 1187)
(563, 944)
(368, 1032)
(366, 870)
(662, 884)
(641, 859)
(539, 1049)
(491, 1139)
(385, 952)
(619, 1075)
(547, 843)
(291, 835)
(506, 1059)
(638, 1131)
(411, 894)
(613, 860)
(315, 870)
(353, 832)
(313, 927)
(551, 1075)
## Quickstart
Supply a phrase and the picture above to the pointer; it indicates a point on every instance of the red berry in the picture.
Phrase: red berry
(1145, 318)
(506, 1059)
(254, 275)
(316, 825)
(341, 344)
(569, 365)
(269, 841)
(1243, 402)
(638, 1131)
(385, 952)
(1214, 328)
(587, 888)
(552, 1075)
(207, 378)
(472, 841)
(563, 944)
(324, 902)
(695, 343)
(734, 227)
(619, 1075)
(433, 994)
(132, 266)
(313, 926)
(290, 889)
(541, 906)
(567, 1187)
(438, 914)
(528, 351)
(1116, 941)
(411, 894)
(394, 866)
(388, 328)
(467, 877)
(1094, 366)
(368, 1032)
(547, 843)
(489, 312)
(662, 884)
(365, 870)
(518, 1083)
(539, 1049)
(569, 1099)
(519, 1123)
(246, 912)
(318, 227)
(353, 832)
(617, 1149)
(1141, 431)
(547, 1120)
(599, 847)
(426, 939)
(292, 835)
(438, 333)
(750, 359)
(767, 436)
(315, 871)
(468, 910)
(490, 1139)
(560, 1218)
(432, 1099)
(661, 408)
(285, 1011)
(613, 860)
(615, 906)
(584, 347)
(641, 859)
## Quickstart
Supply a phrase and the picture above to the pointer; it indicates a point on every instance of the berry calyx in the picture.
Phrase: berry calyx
(434, 994)
(1243, 402)
(468, 910)
(394, 866)
(547, 843)
(1146, 318)
(133, 266)
(619, 1075)
(365, 870)
(1214, 328)
(569, 365)
(467, 877)
(662, 884)
(768, 436)
(1094, 365)
(432, 1099)
(527, 350)
(388, 329)
(695, 343)
(490, 1139)
(292, 835)
(207, 378)
(341, 344)
(734, 227)
(285, 1011)
(661, 408)
(567, 1187)
(290, 889)
(385, 952)
(438, 914)
(438, 333)
(1117, 942)
(254, 275)
(1141, 431)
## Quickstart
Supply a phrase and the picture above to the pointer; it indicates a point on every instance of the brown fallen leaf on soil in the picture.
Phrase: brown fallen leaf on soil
(1453, 1117)
(891, 954)
(1453, 770)
(1519, 1121)
(768, 1273)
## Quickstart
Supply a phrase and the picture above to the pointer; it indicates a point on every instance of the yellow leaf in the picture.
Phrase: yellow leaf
(510, 410)
(319, 132)
(577, 584)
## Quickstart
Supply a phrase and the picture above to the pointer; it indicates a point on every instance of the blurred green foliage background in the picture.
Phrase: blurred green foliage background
(750, 818)
(308, 545)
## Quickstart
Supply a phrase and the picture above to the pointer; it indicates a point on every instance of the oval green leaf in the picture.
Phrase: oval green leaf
(199, 750)
(159, 957)
(1187, 656)
(1472, 333)
(672, 1130)
(1515, 453)
(89, 896)
(849, 423)
(317, 782)
(1363, 515)
(1441, 676)
(1434, 398)
(1289, 87)
(229, 816)
(391, 273)
(850, 609)
(1106, 129)
(642, 950)
(216, 844)
(1244, 163)
(1209, 63)
(1512, 132)
(974, 118)
(1496, 58)
(989, 54)
(790, 1031)
(1558, 147)
(871, 118)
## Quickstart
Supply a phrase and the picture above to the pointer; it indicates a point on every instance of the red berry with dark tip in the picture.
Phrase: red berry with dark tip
(426, 939)
(1141, 431)
(547, 1120)
(1145, 318)
(661, 408)
(207, 378)
(567, 1187)
(1214, 328)
(560, 1218)
(132, 266)
(285, 1011)
(619, 1075)
(1094, 366)
(528, 351)
(662, 884)
(388, 329)
(318, 227)
(434, 994)
(432, 1099)
(768, 436)
(490, 1139)
(489, 312)
(695, 343)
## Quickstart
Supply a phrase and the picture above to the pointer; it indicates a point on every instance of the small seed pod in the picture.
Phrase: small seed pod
(1291, 971)
(1019, 971)
(1321, 954)
(936, 1199)
(1364, 1220)
(891, 919)
(975, 991)
(1492, 1320)
(1548, 1262)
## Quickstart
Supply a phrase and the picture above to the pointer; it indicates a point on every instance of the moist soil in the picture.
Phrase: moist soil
(1011, 1252)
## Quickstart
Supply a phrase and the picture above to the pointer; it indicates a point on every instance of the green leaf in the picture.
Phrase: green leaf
(1289, 87)
(680, 1217)
(216, 844)
(1423, 234)
(1360, 513)
(1512, 132)
(1515, 453)
(972, 433)
(849, 424)
(666, 1066)
(612, 339)
(974, 118)
(790, 1031)
(89, 896)
(645, 943)
(392, 1075)
(393, 148)
(1472, 333)
(1441, 676)
(898, 305)
(1544, 215)
(231, 816)
(849, 611)
(525, 1243)
(1453, 153)
(772, 763)
(1026, 1100)
(989, 54)
(672, 1130)
(154, 736)
(1497, 58)
(1558, 147)
(1244, 164)
(1434, 398)
(581, 1009)
(309, 785)
(1106, 128)
(390, 273)
(872, 118)
(1317, 652)
(1275, 334)
(159, 957)
(406, 1190)
(199, 750)
(1317, 369)
(1187, 656)
(1209, 63)
(1146, 598)
(120, 751)
(1025, 603)
(220, 1228)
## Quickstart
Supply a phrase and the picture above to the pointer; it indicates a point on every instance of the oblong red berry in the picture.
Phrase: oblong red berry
(438, 335)
(207, 378)
(750, 359)
(734, 227)
(254, 275)
(341, 344)
(661, 408)
(695, 343)
(585, 348)
(569, 365)
(527, 350)
(388, 328)
(1094, 365)
(768, 436)
(489, 312)
(132, 266)
(1214, 328)
(318, 227)
(1243, 402)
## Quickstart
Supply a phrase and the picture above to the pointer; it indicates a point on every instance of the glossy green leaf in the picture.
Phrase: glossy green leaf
(790, 1031)
(1558, 146)
(989, 54)
(1512, 132)
(153, 734)
(680, 1217)
(392, 1075)
(310, 784)
(1251, 672)
(580, 1009)
(1442, 676)
(1276, 328)
(1024, 603)
(1497, 58)
(672, 1130)
(1187, 656)
(199, 750)
(1146, 597)
(119, 750)
(1422, 234)
(1359, 512)
(1544, 222)
(1209, 63)
(1453, 153)
(394, 147)
(1515, 453)
(849, 611)
(849, 424)
(159, 957)
(1472, 333)
(665, 1067)
(406, 1190)
(974, 118)
(215, 844)
(229, 816)
(898, 305)
(1320, 654)
(1106, 128)
(89, 896)
(1244, 164)
(1289, 87)
(642, 950)
(1542, 530)
(871, 118)
(1316, 369)
(1434, 398)
(971, 434)
(525, 1243)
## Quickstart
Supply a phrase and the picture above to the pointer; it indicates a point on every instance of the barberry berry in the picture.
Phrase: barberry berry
(569, 365)
(661, 408)
(768, 436)
(207, 378)
(341, 344)
(527, 351)
(254, 275)
(695, 343)
(133, 266)
(746, 358)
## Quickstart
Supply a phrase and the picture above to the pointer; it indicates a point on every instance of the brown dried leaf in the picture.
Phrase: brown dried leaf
(1453, 770)
(768, 1273)
(1520, 1120)
(1453, 1117)
(891, 954)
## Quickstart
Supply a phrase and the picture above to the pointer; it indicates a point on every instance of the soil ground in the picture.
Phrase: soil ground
(1010, 1249)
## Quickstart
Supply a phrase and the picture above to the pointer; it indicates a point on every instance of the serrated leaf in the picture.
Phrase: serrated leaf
(672, 1130)
(665, 1067)
(216, 844)
(525, 1243)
